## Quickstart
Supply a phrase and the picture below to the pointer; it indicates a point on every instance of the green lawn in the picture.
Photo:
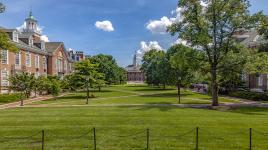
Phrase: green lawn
(123, 128)
(8, 98)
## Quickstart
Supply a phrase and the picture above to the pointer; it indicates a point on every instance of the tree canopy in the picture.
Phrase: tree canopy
(209, 26)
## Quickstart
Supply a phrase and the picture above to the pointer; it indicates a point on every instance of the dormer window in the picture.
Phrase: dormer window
(31, 41)
(15, 36)
(42, 45)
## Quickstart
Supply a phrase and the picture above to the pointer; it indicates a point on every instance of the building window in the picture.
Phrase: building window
(44, 62)
(65, 65)
(31, 41)
(4, 78)
(4, 56)
(59, 65)
(15, 37)
(28, 59)
(36, 61)
(259, 81)
(18, 59)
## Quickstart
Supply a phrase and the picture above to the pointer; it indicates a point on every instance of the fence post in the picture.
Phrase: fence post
(94, 137)
(250, 138)
(43, 139)
(197, 130)
(147, 139)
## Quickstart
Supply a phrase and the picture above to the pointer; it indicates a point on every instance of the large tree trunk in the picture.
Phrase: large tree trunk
(214, 86)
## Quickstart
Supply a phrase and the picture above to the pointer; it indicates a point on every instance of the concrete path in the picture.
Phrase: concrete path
(25, 102)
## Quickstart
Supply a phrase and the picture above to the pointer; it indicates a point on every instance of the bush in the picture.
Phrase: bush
(250, 95)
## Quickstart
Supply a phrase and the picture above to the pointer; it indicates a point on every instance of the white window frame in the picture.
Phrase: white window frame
(18, 56)
(15, 37)
(260, 81)
(28, 59)
(65, 65)
(4, 78)
(37, 62)
(4, 52)
(31, 41)
(44, 62)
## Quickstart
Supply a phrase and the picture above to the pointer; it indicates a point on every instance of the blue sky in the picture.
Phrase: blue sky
(73, 22)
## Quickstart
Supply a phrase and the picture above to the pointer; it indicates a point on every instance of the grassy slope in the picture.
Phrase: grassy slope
(9, 98)
(218, 129)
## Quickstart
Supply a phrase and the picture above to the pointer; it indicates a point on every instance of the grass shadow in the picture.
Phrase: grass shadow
(167, 95)
(248, 110)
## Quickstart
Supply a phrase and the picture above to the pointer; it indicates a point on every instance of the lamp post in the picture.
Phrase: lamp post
(87, 82)
(2, 7)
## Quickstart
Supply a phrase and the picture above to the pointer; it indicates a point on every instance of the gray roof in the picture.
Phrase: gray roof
(52, 46)
(249, 38)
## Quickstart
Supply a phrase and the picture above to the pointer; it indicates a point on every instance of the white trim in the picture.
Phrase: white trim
(28, 54)
(6, 56)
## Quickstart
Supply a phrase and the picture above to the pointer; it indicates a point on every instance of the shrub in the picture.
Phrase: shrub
(250, 95)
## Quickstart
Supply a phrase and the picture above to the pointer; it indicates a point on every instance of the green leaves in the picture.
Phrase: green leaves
(5, 42)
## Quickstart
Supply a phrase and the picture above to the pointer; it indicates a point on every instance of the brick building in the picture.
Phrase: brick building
(35, 55)
(134, 74)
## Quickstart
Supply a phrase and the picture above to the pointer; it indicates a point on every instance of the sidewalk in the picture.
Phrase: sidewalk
(27, 101)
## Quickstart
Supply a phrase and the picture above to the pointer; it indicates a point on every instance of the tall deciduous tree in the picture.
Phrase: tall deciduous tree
(108, 66)
(183, 65)
(209, 26)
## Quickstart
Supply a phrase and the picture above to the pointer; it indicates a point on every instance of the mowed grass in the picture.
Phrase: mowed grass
(124, 128)
(133, 94)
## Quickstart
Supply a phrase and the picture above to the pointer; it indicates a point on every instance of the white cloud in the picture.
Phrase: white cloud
(23, 26)
(105, 25)
(160, 26)
(181, 41)
(147, 46)
(44, 38)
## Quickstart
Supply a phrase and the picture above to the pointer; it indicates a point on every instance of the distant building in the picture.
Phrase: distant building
(251, 39)
(134, 74)
(76, 55)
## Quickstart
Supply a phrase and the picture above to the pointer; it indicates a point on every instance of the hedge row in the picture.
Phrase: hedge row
(249, 95)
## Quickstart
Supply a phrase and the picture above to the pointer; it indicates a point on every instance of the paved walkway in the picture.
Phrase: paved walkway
(25, 102)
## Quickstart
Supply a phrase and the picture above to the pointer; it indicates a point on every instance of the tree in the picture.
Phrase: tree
(99, 82)
(122, 75)
(54, 86)
(86, 71)
(209, 26)
(22, 82)
(153, 65)
(5, 42)
(43, 84)
(108, 67)
(2, 8)
(182, 65)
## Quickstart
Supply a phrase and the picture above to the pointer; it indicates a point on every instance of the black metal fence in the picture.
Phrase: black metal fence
(197, 140)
